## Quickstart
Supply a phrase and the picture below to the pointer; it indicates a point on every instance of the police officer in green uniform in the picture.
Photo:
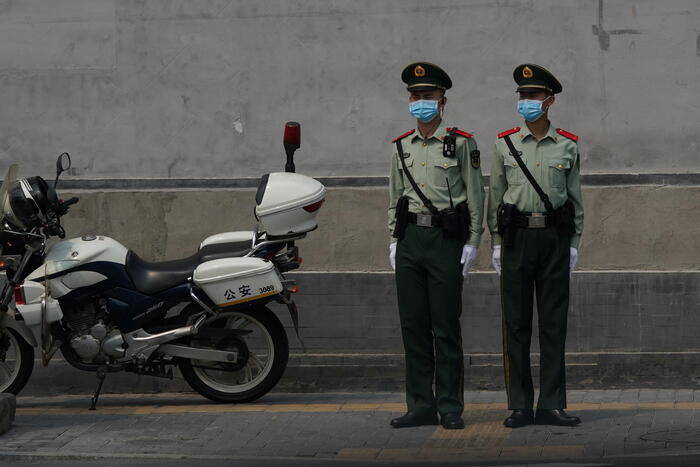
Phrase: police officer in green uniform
(535, 242)
(435, 216)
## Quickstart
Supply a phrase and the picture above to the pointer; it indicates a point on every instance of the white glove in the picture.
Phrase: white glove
(468, 257)
(392, 255)
(496, 259)
(573, 259)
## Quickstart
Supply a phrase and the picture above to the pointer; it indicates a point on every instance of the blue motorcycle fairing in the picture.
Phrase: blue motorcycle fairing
(130, 309)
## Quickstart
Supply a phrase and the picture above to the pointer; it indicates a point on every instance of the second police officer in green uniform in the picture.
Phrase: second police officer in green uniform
(435, 216)
(535, 241)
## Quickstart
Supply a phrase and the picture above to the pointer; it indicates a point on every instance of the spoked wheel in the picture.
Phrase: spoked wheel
(262, 349)
(16, 361)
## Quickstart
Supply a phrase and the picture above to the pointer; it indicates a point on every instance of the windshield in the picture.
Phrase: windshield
(10, 178)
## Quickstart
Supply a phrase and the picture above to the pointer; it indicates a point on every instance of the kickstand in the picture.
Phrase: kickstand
(101, 374)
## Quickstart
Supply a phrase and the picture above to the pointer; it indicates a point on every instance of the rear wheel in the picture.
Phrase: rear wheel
(263, 352)
(16, 361)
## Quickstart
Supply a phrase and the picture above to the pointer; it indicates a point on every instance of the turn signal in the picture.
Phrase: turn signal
(313, 207)
(299, 260)
(294, 289)
(19, 294)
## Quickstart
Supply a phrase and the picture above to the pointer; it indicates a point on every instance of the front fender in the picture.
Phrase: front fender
(9, 321)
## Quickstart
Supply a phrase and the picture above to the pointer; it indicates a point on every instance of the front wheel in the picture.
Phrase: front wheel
(262, 347)
(16, 361)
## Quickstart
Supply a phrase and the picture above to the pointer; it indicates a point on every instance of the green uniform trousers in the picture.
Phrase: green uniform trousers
(537, 262)
(429, 286)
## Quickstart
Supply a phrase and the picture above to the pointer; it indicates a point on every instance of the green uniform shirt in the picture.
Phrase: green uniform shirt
(554, 163)
(433, 172)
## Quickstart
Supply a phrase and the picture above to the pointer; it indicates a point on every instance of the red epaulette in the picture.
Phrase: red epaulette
(509, 132)
(461, 133)
(404, 135)
(566, 134)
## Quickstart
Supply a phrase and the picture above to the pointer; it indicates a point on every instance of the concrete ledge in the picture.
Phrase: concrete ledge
(625, 329)
(8, 404)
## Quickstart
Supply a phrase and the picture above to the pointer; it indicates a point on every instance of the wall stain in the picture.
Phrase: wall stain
(604, 36)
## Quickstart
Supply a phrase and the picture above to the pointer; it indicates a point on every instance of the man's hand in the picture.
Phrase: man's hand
(468, 257)
(573, 259)
(496, 259)
(392, 255)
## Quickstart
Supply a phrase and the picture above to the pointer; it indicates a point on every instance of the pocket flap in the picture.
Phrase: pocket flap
(510, 160)
(560, 164)
(445, 162)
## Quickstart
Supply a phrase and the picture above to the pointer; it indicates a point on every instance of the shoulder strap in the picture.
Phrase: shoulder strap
(543, 196)
(428, 204)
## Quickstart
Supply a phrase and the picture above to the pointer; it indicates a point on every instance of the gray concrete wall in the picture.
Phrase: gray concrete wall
(641, 227)
(625, 329)
(201, 88)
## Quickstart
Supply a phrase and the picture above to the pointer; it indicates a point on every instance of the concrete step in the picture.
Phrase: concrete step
(385, 372)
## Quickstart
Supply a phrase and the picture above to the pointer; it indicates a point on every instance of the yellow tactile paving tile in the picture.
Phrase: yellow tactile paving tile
(359, 453)
(514, 452)
(471, 410)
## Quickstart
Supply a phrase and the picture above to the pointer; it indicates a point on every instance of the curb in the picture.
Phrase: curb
(8, 403)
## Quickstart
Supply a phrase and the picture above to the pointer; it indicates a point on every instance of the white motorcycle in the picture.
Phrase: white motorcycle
(108, 310)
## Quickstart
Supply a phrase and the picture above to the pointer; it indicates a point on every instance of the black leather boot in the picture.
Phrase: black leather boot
(452, 421)
(415, 418)
(555, 417)
(520, 417)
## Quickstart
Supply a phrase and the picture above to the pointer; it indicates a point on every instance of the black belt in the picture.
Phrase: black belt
(533, 220)
(423, 220)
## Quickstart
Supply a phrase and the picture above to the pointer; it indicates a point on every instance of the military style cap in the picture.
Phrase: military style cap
(424, 76)
(535, 78)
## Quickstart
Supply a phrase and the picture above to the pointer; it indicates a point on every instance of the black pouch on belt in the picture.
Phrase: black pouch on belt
(451, 224)
(505, 219)
(401, 217)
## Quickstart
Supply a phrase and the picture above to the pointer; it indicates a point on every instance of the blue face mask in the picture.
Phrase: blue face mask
(530, 109)
(423, 110)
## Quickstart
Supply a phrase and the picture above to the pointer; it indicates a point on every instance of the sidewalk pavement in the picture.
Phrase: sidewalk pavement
(348, 429)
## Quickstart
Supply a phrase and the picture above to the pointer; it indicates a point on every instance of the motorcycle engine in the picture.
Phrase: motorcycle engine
(93, 337)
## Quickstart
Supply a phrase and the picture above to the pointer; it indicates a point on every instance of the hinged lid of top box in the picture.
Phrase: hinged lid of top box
(282, 191)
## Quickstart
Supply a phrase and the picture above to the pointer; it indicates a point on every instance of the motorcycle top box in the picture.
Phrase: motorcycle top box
(288, 203)
(232, 281)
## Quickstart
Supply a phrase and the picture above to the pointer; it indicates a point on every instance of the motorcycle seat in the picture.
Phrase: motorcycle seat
(151, 278)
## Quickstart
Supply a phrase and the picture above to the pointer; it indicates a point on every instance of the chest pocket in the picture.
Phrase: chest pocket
(558, 168)
(408, 160)
(514, 175)
(444, 171)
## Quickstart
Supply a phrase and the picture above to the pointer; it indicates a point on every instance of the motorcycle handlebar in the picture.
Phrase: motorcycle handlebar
(71, 201)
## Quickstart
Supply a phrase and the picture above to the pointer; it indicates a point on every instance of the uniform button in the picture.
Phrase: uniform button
(444, 165)
(424, 143)
(538, 164)
(560, 166)
(422, 185)
(422, 163)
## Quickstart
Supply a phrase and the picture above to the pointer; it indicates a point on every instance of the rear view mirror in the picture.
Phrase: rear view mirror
(63, 163)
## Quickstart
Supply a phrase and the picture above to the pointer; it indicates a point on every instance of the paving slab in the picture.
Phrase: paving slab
(350, 428)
